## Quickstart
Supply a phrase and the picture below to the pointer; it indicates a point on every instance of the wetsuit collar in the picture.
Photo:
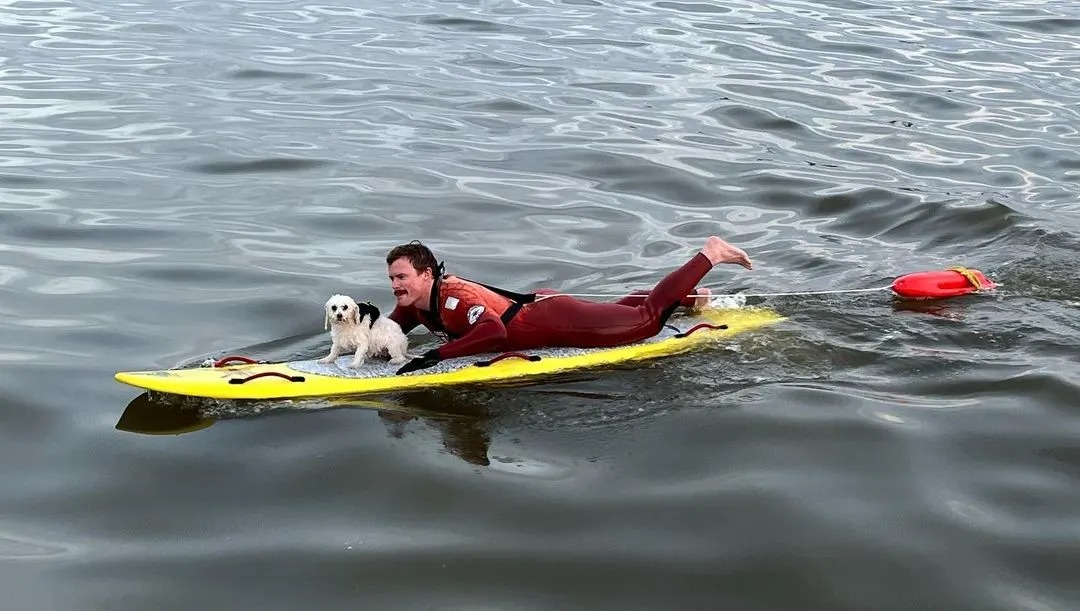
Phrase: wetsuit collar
(437, 274)
(433, 315)
(433, 299)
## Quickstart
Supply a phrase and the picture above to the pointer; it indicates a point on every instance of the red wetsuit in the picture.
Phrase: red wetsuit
(476, 319)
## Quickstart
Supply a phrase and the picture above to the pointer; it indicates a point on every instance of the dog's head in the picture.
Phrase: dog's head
(341, 309)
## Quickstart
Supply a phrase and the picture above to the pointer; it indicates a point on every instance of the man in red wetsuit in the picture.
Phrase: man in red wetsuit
(477, 318)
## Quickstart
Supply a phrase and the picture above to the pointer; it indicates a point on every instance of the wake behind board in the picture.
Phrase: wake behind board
(309, 378)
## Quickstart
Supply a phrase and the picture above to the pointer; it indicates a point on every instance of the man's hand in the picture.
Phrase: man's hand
(428, 359)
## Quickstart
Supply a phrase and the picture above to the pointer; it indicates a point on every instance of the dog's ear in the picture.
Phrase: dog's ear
(326, 313)
(356, 315)
(372, 311)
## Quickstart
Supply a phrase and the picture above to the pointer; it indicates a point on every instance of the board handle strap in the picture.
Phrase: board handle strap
(234, 359)
(266, 374)
(699, 327)
(508, 355)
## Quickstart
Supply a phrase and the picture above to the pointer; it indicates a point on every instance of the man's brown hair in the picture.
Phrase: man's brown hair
(418, 255)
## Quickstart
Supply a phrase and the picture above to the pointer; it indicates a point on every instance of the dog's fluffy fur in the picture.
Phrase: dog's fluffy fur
(358, 328)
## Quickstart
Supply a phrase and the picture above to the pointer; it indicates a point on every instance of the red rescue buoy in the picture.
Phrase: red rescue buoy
(952, 282)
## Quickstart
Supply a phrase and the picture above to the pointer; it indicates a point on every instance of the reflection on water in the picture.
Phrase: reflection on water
(148, 417)
(462, 429)
(461, 418)
(953, 309)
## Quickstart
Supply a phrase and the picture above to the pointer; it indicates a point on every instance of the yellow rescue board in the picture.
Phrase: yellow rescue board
(309, 379)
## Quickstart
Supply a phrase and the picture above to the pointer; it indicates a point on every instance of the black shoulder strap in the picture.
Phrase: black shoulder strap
(519, 300)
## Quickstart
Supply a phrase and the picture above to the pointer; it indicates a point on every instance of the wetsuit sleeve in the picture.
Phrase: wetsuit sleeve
(487, 334)
(406, 318)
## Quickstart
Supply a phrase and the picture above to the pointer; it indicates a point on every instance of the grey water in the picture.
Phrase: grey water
(192, 178)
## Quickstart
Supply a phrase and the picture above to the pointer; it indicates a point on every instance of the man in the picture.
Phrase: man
(477, 318)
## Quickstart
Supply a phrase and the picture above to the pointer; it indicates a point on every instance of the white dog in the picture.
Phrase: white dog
(359, 328)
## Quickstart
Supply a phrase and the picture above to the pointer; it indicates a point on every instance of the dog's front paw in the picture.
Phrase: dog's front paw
(356, 364)
(397, 360)
(326, 360)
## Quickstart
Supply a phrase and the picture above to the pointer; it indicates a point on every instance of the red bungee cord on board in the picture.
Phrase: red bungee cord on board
(942, 284)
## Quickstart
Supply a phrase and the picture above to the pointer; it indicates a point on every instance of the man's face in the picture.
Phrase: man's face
(408, 285)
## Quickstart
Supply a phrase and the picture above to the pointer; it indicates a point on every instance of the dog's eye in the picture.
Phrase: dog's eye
(344, 307)
(333, 308)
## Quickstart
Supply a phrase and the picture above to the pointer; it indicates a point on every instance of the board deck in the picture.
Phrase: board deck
(308, 378)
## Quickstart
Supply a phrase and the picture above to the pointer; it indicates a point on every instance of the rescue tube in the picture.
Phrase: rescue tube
(941, 284)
